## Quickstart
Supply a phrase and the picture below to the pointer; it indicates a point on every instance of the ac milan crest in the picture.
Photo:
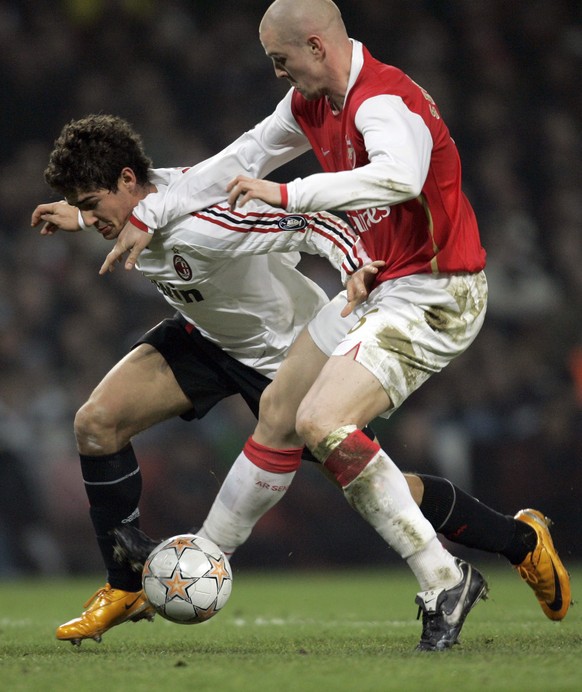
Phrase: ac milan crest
(182, 268)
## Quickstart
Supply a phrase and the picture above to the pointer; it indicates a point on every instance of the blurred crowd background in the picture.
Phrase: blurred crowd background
(504, 421)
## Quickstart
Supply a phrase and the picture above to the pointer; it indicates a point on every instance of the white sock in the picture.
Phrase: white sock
(381, 495)
(246, 494)
(434, 567)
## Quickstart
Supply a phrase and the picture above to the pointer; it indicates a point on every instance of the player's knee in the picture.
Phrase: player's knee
(94, 428)
(276, 418)
(309, 426)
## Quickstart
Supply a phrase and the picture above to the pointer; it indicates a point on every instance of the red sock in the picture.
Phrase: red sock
(351, 457)
(273, 460)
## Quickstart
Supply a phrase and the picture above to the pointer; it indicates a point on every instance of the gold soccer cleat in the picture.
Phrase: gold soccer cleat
(543, 570)
(104, 610)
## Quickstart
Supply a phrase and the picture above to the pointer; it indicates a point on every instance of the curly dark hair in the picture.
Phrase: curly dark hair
(90, 154)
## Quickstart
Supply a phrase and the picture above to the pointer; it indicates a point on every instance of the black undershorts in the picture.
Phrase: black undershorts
(204, 372)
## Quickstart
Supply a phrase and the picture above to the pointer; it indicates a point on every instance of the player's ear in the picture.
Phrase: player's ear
(127, 177)
(316, 46)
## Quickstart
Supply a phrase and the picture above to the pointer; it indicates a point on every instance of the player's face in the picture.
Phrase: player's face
(296, 64)
(108, 210)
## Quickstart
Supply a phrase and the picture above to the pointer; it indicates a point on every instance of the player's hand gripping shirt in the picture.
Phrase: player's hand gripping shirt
(234, 275)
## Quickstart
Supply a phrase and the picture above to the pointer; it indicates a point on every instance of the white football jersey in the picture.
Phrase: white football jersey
(233, 274)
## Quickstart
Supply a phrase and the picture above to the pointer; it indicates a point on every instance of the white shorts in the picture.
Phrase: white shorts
(407, 330)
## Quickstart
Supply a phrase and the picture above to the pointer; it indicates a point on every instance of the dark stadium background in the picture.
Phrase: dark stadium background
(503, 422)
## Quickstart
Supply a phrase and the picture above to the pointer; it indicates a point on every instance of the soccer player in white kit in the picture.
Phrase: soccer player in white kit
(240, 304)
(390, 162)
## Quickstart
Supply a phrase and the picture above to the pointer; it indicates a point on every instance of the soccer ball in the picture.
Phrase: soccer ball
(187, 579)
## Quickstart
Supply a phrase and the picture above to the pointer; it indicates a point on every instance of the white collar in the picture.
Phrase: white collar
(356, 66)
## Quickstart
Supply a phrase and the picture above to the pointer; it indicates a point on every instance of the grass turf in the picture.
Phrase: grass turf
(342, 630)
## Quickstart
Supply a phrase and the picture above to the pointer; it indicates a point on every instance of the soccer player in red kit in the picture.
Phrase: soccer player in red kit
(391, 164)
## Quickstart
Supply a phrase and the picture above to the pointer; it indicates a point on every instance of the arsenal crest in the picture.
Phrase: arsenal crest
(351, 153)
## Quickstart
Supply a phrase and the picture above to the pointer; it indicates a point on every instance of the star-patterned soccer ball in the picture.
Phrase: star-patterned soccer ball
(187, 579)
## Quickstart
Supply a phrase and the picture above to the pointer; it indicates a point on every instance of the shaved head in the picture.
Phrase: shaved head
(309, 46)
(293, 20)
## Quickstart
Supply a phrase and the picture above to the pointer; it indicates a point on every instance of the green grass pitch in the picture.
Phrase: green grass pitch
(301, 631)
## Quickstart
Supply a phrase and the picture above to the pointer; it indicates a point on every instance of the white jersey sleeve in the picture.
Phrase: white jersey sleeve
(270, 144)
(398, 144)
(262, 229)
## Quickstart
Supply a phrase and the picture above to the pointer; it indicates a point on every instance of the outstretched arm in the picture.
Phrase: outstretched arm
(273, 142)
(399, 146)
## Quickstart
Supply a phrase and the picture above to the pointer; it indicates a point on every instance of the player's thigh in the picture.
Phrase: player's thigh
(345, 393)
(139, 391)
(280, 400)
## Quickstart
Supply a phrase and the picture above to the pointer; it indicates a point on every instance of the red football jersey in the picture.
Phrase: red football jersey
(435, 232)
